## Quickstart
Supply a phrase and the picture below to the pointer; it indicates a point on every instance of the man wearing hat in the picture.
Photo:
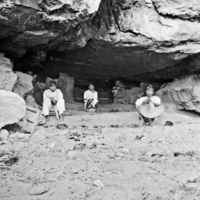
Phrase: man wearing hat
(149, 107)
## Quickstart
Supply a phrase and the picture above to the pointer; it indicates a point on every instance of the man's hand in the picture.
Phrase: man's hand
(54, 102)
(148, 100)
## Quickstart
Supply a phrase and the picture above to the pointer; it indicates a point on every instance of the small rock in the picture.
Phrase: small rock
(27, 127)
(120, 155)
(139, 137)
(38, 190)
(193, 179)
(80, 146)
(62, 126)
(94, 145)
(71, 154)
(38, 135)
(125, 150)
(168, 123)
(75, 171)
(191, 187)
(98, 183)
(51, 146)
(4, 142)
(144, 138)
(19, 135)
(4, 134)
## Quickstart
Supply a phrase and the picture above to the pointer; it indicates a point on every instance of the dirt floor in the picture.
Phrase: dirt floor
(105, 156)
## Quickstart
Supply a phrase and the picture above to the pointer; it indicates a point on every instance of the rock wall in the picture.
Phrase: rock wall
(24, 85)
(66, 85)
(7, 77)
(183, 93)
(27, 24)
(144, 40)
(125, 96)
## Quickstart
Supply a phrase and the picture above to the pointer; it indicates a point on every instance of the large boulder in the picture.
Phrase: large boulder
(184, 93)
(39, 88)
(24, 84)
(127, 96)
(12, 108)
(7, 77)
(66, 85)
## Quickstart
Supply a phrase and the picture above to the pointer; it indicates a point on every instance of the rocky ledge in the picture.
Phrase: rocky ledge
(140, 40)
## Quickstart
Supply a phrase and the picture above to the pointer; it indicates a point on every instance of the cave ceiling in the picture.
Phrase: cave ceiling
(141, 40)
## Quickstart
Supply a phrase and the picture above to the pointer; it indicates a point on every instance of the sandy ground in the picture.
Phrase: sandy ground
(106, 156)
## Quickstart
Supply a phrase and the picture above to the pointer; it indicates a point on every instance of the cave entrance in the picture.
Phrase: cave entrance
(54, 65)
(103, 87)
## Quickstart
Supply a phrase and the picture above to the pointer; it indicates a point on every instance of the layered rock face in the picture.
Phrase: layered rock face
(183, 93)
(24, 85)
(7, 77)
(30, 24)
(143, 40)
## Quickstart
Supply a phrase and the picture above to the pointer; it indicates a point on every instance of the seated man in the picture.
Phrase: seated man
(90, 98)
(149, 107)
(53, 97)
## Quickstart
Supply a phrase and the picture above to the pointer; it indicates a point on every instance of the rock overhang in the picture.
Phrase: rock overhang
(136, 39)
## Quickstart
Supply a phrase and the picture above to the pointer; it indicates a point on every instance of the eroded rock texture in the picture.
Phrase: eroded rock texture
(143, 40)
(183, 93)
(24, 85)
(12, 108)
(40, 24)
(7, 77)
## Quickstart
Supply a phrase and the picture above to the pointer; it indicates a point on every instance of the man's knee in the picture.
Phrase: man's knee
(61, 101)
(47, 101)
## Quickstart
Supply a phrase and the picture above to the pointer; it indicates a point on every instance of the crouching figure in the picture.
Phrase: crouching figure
(53, 98)
(90, 98)
(149, 107)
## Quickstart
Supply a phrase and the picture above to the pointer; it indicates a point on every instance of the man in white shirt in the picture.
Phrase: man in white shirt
(53, 97)
(152, 102)
(90, 98)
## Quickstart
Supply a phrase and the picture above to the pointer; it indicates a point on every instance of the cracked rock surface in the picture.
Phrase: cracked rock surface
(139, 39)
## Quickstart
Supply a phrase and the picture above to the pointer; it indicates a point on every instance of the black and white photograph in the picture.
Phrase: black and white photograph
(99, 99)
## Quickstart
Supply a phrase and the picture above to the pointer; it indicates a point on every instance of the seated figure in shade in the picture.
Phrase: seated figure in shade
(53, 97)
(149, 107)
(90, 98)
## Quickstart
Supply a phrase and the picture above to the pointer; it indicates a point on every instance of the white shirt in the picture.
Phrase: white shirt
(56, 95)
(90, 95)
(156, 100)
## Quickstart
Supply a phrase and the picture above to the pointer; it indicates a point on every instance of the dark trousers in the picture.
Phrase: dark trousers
(88, 104)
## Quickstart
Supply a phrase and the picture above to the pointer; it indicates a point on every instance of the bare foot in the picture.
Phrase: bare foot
(61, 118)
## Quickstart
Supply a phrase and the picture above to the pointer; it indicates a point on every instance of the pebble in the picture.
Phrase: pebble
(193, 178)
(51, 146)
(75, 171)
(71, 154)
(4, 142)
(125, 150)
(38, 190)
(19, 135)
(98, 183)
(4, 134)
(120, 155)
(191, 187)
